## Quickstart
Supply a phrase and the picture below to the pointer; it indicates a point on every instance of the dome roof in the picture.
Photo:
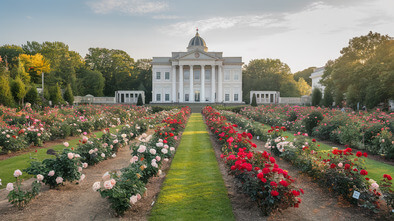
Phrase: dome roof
(197, 42)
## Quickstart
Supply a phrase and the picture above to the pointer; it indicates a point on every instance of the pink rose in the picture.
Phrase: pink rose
(59, 180)
(133, 159)
(51, 173)
(70, 155)
(66, 144)
(133, 199)
(82, 178)
(96, 186)
(40, 177)
(10, 187)
(85, 165)
(152, 151)
(108, 185)
(158, 158)
(17, 173)
(113, 181)
(164, 151)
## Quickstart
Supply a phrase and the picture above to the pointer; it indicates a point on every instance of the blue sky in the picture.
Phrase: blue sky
(301, 33)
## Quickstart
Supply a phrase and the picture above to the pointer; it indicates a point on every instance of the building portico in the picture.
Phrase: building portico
(197, 76)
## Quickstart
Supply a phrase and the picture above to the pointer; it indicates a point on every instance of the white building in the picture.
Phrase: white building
(316, 76)
(197, 76)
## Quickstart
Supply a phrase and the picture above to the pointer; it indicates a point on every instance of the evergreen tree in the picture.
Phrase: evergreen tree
(32, 95)
(56, 95)
(5, 92)
(316, 96)
(18, 90)
(254, 101)
(328, 98)
(139, 101)
(68, 95)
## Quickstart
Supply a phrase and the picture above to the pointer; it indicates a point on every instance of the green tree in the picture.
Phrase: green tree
(18, 90)
(5, 92)
(328, 98)
(362, 64)
(268, 75)
(113, 64)
(143, 69)
(91, 82)
(10, 54)
(305, 74)
(68, 95)
(139, 101)
(316, 96)
(32, 95)
(254, 101)
(56, 95)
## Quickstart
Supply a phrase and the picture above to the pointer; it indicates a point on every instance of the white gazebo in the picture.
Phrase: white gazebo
(197, 76)
(265, 97)
(128, 97)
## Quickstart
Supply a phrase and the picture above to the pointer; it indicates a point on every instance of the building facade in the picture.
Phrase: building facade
(197, 76)
(316, 76)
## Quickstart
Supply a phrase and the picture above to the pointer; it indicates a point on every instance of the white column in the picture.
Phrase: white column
(174, 84)
(220, 84)
(213, 84)
(202, 94)
(180, 83)
(191, 94)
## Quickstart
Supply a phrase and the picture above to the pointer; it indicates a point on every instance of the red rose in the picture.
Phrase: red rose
(272, 160)
(333, 165)
(284, 183)
(273, 184)
(266, 170)
(359, 154)
(313, 140)
(302, 191)
(363, 172)
(295, 193)
(365, 154)
(263, 180)
(274, 193)
(260, 175)
(233, 167)
(347, 166)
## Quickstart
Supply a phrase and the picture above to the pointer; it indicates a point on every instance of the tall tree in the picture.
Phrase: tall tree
(5, 92)
(112, 64)
(359, 67)
(35, 65)
(268, 75)
(303, 87)
(18, 90)
(91, 82)
(305, 74)
(10, 54)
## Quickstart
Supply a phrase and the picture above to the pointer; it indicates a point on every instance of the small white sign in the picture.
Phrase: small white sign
(258, 137)
(356, 195)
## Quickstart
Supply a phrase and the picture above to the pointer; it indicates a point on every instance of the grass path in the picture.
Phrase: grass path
(194, 188)
(8, 166)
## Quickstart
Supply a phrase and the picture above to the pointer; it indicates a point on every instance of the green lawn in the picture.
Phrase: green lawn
(194, 188)
(8, 166)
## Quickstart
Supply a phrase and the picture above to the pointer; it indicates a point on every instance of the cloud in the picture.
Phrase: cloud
(188, 27)
(132, 7)
(165, 17)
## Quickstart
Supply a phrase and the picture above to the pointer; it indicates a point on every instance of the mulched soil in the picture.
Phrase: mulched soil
(80, 202)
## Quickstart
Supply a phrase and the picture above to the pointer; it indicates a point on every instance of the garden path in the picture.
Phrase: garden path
(73, 202)
(194, 188)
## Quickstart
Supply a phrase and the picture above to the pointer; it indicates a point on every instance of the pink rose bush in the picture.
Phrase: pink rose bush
(124, 188)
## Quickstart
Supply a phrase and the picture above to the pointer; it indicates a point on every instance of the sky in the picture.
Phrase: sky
(301, 33)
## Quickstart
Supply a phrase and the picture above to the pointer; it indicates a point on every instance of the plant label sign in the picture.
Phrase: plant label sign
(356, 195)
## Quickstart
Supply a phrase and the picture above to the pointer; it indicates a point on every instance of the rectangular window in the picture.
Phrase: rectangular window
(207, 75)
(186, 75)
(236, 76)
(227, 76)
(158, 75)
(132, 95)
(235, 97)
(158, 97)
(167, 76)
(127, 95)
(167, 97)
(186, 97)
(227, 97)
(196, 75)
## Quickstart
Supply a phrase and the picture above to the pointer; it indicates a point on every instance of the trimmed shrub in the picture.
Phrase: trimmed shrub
(312, 120)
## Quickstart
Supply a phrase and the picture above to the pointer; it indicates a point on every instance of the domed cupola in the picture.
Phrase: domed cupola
(197, 43)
